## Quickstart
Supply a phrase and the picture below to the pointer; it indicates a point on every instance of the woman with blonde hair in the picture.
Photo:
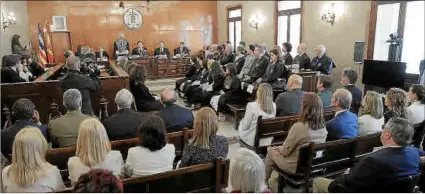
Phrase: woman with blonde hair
(93, 151)
(29, 171)
(263, 106)
(204, 146)
(396, 102)
(371, 114)
(247, 173)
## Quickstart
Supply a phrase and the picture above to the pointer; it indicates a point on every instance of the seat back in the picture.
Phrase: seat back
(418, 136)
(274, 127)
(404, 184)
(59, 157)
(199, 178)
(366, 143)
(329, 114)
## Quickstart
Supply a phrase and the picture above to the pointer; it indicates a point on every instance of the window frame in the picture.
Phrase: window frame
(234, 20)
(288, 13)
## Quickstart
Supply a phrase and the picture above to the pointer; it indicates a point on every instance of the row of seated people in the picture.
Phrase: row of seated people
(16, 68)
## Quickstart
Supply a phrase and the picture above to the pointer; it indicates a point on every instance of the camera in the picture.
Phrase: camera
(90, 68)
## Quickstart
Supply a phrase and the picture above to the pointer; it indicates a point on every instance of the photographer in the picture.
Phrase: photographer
(85, 84)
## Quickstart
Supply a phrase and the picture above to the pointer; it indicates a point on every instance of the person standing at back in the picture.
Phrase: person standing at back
(348, 80)
(75, 80)
(289, 103)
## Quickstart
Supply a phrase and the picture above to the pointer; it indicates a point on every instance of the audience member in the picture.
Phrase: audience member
(10, 72)
(202, 79)
(204, 146)
(124, 123)
(63, 131)
(101, 54)
(246, 174)
(416, 110)
(154, 154)
(259, 65)
(24, 72)
(274, 70)
(263, 106)
(140, 50)
(310, 128)
(240, 58)
(302, 58)
(22, 112)
(348, 79)
(371, 115)
(98, 181)
(29, 171)
(193, 70)
(75, 80)
(374, 173)
(286, 53)
(93, 152)
(18, 49)
(215, 84)
(247, 66)
(322, 62)
(344, 125)
(219, 53)
(228, 57)
(145, 101)
(396, 102)
(289, 103)
(35, 68)
(324, 83)
(182, 50)
(175, 117)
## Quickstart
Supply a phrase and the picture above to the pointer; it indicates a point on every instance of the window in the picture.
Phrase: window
(234, 27)
(405, 18)
(288, 23)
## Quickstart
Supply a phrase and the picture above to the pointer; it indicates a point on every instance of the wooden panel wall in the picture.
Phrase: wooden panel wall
(97, 23)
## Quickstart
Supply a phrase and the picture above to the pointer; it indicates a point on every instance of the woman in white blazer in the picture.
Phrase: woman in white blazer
(263, 106)
(371, 116)
(416, 110)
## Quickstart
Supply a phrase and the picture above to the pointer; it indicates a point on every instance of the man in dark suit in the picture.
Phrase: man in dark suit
(125, 123)
(9, 73)
(140, 50)
(289, 103)
(322, 62)
(345, 124)
(121, 47)
(183, 51)
(175, 117)
(259, 65)
(376, 172)
(101, 54)
(161, 51)
(348, 79)
(22, 112)
(73, 79)
(228, 57)
(302, 58)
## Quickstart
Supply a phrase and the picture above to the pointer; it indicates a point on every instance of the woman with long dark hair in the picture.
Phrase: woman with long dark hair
(274, 70)
(17, 47)
(145, 102)
(215, 84)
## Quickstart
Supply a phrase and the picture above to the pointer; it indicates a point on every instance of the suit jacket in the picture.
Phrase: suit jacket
(273, 71)
(232, 89)
(143, 53)
(119, 47)
(176, 118)
(36, 69)
(323, 64)
(9, 75)
(343, 126)
(104, 54)
(287, 59)
(141, 94)
(63, 131)
(289, 103)
(185, 51)
(357, 98)
(164, 52)
(374, 173)
(190, 72)
(124, 117)
(303, 61)
(84, 84)
(8, 134)
(239, 64)
(196, 75)
(258, 68)
(227, 58)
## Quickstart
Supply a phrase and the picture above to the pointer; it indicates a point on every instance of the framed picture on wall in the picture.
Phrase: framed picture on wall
(59, 23)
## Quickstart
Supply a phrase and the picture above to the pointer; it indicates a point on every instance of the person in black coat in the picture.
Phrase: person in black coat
(145, 101)
(228, 56)
(215, 81)
(125, 122)
(191, 72)
(232, 92)
(322, 62)
(191, 88)
(259, 65)
(101, 54)
(240, 58)
(85, 84)
(274, 69)
(10, 72)
(286, 53)
(348, 80)
(35, 68)
(140, 50)
(379, 171)
(183, 51)
(302, 58)
(161, 50)
(175, 117)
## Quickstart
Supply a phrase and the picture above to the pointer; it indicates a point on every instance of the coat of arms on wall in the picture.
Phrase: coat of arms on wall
(133, 19)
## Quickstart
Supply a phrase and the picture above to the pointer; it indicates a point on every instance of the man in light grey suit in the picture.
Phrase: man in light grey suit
(289, 103)
(121, 47)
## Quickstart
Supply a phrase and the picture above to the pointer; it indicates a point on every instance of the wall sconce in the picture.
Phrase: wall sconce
(8, 20)
(255, 22)
(121, 6)
(330, 16)
(332, 11)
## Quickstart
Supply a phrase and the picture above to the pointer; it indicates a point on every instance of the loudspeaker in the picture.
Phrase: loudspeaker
(358, 52)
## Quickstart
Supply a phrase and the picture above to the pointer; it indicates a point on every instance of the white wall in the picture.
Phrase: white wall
(21, 28)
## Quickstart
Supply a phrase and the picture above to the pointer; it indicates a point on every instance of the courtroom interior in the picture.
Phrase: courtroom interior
(218, 96)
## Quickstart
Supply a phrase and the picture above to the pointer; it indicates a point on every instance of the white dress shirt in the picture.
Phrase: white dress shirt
(248, 125)
(416, 113)
(113, 162)
(141, 161)
(370, 125)
(50, 182)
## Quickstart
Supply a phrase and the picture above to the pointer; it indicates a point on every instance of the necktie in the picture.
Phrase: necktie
(140, 51)
(122, 44)
(162, 50)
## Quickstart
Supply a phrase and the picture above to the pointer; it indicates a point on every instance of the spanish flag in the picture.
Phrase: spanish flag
(50, 57)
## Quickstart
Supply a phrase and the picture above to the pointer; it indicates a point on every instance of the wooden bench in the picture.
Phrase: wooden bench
(337, 157)
(211, 177)
(238, 110)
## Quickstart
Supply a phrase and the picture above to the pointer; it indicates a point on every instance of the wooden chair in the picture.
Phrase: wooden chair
(199, 178)
(418, 136)
(54, 111)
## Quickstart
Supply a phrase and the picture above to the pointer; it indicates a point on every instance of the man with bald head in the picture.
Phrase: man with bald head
(302, 58)
(322, 62)
(175, 117)
(124, 117)
(289, 103)
(121, 47)
(228, 57)
(75, 80)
